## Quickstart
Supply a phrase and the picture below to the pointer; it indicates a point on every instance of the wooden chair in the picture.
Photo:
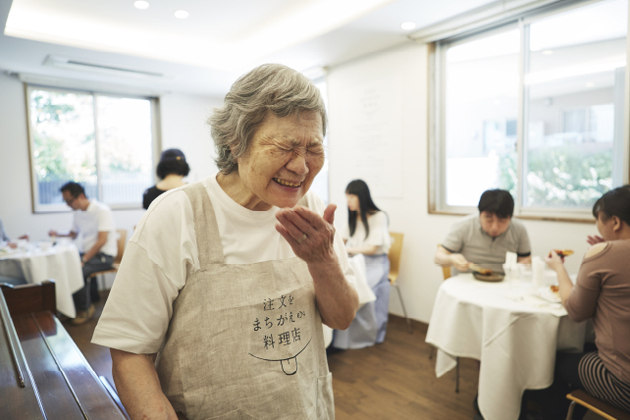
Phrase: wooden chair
(394, 265)
(446, 271)
(597, 406)
(121, 242)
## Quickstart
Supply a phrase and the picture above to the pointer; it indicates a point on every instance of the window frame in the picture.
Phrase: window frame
(437, 117)
(154, 104)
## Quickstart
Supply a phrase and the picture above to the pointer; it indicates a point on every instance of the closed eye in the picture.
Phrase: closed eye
(316, 149)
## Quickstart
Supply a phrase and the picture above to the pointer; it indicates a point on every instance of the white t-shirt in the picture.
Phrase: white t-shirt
(154, 267)
(379, 233)
(96, 218)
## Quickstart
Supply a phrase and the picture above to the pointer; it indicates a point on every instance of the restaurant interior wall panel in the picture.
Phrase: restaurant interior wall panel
(184, 126)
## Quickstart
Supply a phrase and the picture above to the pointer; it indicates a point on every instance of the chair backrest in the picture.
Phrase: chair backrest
(446, 270)
(121, 242)
(394, 255)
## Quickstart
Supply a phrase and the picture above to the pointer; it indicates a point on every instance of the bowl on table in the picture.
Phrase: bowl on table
(492, 277)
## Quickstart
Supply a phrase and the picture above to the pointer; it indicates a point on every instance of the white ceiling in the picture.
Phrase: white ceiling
(206, 52)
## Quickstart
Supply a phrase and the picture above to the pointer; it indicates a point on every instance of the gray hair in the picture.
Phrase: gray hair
(269, 87)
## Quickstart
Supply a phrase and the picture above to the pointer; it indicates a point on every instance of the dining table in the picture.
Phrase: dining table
(364, 291)
(36, 262)
(512, 327)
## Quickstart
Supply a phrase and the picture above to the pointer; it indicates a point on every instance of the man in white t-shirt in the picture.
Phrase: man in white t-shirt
(94, 234)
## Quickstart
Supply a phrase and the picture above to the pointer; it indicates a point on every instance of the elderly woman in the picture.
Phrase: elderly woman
(217, 308)
(367, 233)
(601, 292)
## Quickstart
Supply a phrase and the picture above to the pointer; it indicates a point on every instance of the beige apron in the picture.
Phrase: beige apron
(244, 341)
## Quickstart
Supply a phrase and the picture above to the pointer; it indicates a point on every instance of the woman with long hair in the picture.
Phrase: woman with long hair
(367, 234)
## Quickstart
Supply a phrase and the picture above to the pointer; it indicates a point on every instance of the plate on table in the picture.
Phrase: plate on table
(494, 277)
(550, 294)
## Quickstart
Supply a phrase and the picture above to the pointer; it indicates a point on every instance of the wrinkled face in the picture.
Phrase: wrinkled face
(282, 160)
(492, 224)
(353, 202)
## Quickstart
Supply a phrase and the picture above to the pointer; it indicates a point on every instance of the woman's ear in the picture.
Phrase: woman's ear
(233, 150)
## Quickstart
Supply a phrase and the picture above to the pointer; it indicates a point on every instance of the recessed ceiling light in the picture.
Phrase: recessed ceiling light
(141, 4)
(407, 26)
(546, 52)
(181, 14)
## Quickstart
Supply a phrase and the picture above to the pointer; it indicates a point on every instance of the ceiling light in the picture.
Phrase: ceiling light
(546, 52)
(141, 4)
(408, 26)
(181, 14)
(315, 73)
(102, 68)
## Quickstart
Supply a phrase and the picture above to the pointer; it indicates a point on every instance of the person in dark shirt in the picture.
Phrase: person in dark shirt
(171, 170)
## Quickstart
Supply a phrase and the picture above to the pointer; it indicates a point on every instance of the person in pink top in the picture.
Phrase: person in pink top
(601, 293)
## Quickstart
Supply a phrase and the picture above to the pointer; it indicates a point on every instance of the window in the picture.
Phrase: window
(535, 106)
(102, 141)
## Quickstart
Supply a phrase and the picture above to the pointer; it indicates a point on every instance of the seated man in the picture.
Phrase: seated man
(485, 238)
(93, 227)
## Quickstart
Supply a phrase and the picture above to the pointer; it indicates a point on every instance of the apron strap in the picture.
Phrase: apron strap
(206, 228)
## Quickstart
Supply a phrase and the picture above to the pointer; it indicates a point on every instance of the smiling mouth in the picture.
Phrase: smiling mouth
(286, 183)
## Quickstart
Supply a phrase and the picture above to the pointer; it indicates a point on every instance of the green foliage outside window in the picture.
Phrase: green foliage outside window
(114, 164)
(566, 176)
(559, 177)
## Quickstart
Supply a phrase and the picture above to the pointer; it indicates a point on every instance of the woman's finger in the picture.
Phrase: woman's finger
(294, 225)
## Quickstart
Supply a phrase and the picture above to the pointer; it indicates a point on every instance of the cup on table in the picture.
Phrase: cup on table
(44, 245)
(510, 271)
(22, 244)
(62, 240)
(511, 276)
(538, 270)
(524, 272)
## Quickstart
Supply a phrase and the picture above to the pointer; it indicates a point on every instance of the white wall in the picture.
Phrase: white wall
(183, 125)
(419, 277)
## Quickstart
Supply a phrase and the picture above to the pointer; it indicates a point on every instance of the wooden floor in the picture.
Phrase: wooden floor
(393, 380)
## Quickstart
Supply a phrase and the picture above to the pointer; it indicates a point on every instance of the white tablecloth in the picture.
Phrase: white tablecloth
(60, 263)
(510, 329)
(364, 291)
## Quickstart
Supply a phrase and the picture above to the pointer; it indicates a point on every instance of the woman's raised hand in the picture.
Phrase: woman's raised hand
(310, 235)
